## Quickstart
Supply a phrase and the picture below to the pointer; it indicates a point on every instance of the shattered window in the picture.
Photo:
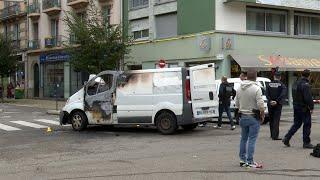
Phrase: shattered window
(105, 83)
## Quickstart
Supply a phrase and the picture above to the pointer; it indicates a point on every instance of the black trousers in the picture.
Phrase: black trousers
(274, 116)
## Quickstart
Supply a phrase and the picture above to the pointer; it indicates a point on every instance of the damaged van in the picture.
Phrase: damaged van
(166, 98)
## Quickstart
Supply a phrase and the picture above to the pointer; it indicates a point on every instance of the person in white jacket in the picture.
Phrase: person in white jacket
(251, 108)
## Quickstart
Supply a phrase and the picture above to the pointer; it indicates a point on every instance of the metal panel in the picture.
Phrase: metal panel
(166, 25)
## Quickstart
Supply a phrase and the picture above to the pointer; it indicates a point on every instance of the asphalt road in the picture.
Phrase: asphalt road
(27, 151)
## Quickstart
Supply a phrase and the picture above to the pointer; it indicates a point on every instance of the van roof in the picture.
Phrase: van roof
(233, 80)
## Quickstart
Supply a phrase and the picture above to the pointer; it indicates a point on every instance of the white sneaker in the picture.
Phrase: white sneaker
(254, 165)
(217, 127)
(233, 127)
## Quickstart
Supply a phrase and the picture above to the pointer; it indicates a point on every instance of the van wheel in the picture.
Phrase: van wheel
(166, 123)
(79, 121)
(189, 127)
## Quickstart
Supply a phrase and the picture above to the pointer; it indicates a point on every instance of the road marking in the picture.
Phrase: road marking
(8, 128)
(48, 121)
(6, 116)
(11, 112)
(29, 124)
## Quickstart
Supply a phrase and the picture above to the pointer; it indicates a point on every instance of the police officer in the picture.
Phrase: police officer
(303, 107)
(276, 94)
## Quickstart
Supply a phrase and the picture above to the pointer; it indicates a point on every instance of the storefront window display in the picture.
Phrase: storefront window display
(77, 80)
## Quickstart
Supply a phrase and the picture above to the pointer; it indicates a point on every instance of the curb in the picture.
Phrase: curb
(53, 112)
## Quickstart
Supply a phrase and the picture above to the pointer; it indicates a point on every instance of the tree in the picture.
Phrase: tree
(8, 61)
(97, 45)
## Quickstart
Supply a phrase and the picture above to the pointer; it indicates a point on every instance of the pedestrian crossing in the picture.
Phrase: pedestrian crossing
(20, 125)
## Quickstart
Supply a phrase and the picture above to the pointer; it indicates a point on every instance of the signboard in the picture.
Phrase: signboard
(54, 57)
(289, 62)
(228, 42)
(302, 4)
(204, 43)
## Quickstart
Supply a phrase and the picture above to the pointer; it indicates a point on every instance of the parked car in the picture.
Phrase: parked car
(166, 98)
(235, 82)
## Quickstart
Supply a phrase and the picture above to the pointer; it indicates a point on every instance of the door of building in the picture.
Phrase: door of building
(36, 80)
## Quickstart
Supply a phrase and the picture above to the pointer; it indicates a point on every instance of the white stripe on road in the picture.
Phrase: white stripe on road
(48, 121)
(29, 124)
(8, 128)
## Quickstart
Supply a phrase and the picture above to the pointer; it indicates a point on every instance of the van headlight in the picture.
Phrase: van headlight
(68, 101)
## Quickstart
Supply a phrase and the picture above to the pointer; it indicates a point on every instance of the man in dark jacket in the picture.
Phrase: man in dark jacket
(225, 93)
(303, 107)
(276, 93)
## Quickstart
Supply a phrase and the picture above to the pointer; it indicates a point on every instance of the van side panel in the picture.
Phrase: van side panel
(167, 92)
(134, 98)
(187, 115)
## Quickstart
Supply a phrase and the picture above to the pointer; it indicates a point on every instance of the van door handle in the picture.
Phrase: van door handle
(198, 99)
(211, 95)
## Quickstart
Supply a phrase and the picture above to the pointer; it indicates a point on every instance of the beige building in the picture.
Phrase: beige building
(48, 71)
(13, 24)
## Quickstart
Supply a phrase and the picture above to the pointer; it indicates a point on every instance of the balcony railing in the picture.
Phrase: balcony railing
(16, 44)
(34, 8)
(11, 11)
(73, 39)
(47, 4)
(34, 44)
(50, 42)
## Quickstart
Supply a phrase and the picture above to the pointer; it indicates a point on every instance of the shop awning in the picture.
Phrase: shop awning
(266, 63)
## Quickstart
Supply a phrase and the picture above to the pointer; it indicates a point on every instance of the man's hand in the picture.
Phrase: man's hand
(311, 111)
(262, 116)
(273, 103)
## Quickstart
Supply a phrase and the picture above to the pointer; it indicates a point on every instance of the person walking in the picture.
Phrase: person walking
(251, 109)
(302, 109)
(225, 93)
(276, 93)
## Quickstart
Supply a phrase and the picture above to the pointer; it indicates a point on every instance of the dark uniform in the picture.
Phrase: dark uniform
(275, 91)
(302, 105)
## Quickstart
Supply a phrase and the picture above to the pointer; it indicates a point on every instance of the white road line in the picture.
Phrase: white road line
(8, 128)
(11, 112)
(6, 116)
(48, 121)
(29, 124)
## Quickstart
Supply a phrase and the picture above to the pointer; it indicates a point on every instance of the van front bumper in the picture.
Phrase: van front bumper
(64, 117)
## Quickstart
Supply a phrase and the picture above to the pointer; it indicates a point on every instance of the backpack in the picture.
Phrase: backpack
(316, 151)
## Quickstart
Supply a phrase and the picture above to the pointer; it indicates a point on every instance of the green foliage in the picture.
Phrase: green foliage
(96, 46)
(8, 61)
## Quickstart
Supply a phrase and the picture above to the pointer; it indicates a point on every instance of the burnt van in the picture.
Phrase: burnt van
(166, 98)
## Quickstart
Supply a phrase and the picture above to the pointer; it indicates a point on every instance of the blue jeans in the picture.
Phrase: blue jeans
(249, 133)
(301, 116)
(224, 107)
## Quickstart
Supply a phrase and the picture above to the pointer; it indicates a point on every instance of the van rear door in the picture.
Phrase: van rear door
(203, 88)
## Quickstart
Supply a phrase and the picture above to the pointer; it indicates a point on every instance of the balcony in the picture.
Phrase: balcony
(34, 44)
(73, 39)
(78, 4)
(51, 7)
(51, 42)
(12, 12)
(34, 11)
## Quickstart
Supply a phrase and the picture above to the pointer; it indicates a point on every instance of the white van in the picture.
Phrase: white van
(235, 82)
(167, 98)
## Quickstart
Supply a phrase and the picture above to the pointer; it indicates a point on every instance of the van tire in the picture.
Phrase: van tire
(166, 123)
(189, 127)
(79, 121)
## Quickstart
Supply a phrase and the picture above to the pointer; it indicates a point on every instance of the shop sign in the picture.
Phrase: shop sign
(306, 4)
(282, 61)
(204, 43)
(228, 42)
(54, 57)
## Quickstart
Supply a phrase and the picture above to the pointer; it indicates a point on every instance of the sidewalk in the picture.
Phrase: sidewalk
(49, 105)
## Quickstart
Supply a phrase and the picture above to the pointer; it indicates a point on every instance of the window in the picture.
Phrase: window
(307, 25)
(266, 20)
(143, 34)
(100, 84)
(164, 1)
(166, 25)
(139, 3)
(35, 31)
(107, 14)
(16, 32)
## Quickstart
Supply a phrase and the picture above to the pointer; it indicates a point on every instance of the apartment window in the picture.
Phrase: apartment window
(166, 25)
(142, 34)
(54, 28)
(307, 25)
(107, 14)
(35, 31)
(16, 32)
(139, 3)
(266, 20)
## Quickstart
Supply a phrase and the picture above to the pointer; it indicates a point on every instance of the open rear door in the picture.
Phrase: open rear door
(204, 96)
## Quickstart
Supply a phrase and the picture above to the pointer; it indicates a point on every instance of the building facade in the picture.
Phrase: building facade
(234, 34)
(13, 24)
(49, 73)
